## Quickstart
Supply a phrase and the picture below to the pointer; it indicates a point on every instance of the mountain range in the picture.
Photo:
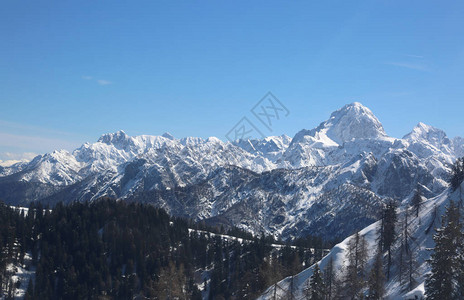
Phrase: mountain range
(329, 181)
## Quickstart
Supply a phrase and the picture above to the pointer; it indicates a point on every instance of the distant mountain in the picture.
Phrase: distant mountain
(330, 180)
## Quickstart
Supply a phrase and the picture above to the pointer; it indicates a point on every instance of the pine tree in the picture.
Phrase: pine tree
(317, 284)
(416, 201)
(404, 248)
(307, 289)
(457, 175)
(30, 291)
(407, 263)
(355, 273)
(275, 276)
(443, 282)
(330, 279)
(388, 232)
(291, 289)
(411, 271)
(376, 281)
(275, 288)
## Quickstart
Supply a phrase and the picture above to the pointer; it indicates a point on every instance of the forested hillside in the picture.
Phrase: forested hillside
(114, 250)
(414, 251)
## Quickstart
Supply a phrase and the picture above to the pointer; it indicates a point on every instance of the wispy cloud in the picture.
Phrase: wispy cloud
(414, 56)
(10, 158)
(33, 142)
(22, 141)
(18, 156)
(98, 81)
(36, 130)
(409, 65)
(104, 82)
(400, 94)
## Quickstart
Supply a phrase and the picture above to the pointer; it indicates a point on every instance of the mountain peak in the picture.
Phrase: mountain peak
(114, 138)
(424, 132)
(352, 121)
(354, 108)
(428, 134)
(422, 127)
(168, 136)
(356, 104)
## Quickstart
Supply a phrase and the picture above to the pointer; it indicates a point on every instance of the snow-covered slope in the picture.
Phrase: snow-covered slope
(458, 145)
(271, 147)
(421, 231)
(316, 182)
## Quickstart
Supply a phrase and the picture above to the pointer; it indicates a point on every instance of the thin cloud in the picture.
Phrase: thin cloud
(37, 143)
(13, 158)
(400, 94)
(37, 130)
(9, 163)
(408, 65)
(22, 141)
(18, 156)
(414, 56)
(104, 82)
(98, 81)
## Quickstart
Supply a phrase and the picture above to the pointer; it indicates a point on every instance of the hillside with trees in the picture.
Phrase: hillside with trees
(114, 250)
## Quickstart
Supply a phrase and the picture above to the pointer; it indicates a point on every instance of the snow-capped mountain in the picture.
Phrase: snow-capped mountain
(351, 122)
(329, 180)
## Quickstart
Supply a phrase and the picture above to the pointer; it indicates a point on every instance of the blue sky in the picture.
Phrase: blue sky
(73, 70)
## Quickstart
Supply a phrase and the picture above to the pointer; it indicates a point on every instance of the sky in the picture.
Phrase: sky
(71, 71)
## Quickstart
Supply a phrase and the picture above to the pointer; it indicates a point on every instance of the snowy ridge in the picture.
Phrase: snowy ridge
(353, 121)
(421, 232)
(342, 170)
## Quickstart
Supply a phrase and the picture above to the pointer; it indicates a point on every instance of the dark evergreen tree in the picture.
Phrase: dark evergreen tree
(292, 288)
(30, 291)
(406, 261)
(376, 281)
(355, 275)
(457, 174)
(411, 270)
(404, 248)
(443, 282)
(416, 201)
(317, 286)
(330, 279)
(388, 231)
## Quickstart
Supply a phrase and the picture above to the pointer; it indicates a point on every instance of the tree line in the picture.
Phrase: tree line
(116, 250)
(356, 280)
(446, 280)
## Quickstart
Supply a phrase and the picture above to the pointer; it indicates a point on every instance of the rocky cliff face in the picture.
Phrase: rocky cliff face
(330, 180)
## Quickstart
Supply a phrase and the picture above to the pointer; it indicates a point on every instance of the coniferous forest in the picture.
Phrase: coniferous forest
(114, 250)
(110, 249)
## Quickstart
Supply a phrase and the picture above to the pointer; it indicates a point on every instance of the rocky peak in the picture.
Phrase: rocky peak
(353, 121)
(119, 138)
(423, 132)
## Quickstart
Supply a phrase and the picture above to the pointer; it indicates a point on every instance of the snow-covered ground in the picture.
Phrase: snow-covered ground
(25, 210)
(421, 238)
(241, 240)
(21, 275)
